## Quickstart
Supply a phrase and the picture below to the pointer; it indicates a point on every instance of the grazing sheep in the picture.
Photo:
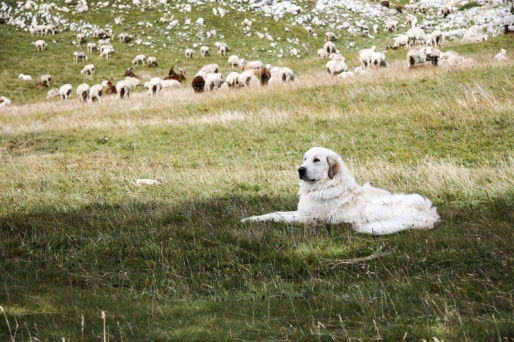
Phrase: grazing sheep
(330, 47)
(95, 93)
(81, 38)
(38, 30)
(501, 56)
(189, 54)
(152, 61)
(46, 78)
(204, 51)
(88, 69)
(365, 56)
(233, 61)
(92, 47)
(416, 57)
(322, 53)
(83, 92)
(154, 86)
(284, 74)
(221, 48)
(378, 59)
(330, 36)
(401, 41)
(106, 51)
(4, 101)
(336, 65)
(170, 84)
(65, 91)
(309, 30)
(445, 11)
(100, 34)
(79, 56)
(40, 45)
(257, 68)
(122, 89)
(139, 59)
(211, 68)
(384, 3)
(132, 81)
(435, 38)
(433, 55)
(25, 77)
(232, 79)
(391, 25)
(213, 81)
(124, 37)
(50, 28)
(53, 93)
(247, 79)
(376, 29)
(416, 36)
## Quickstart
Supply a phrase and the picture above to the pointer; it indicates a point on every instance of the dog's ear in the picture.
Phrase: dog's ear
(333, 167)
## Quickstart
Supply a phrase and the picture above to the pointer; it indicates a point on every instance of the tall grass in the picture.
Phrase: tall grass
(87, 254)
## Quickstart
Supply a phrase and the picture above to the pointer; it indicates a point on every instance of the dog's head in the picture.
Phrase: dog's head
(319, 164)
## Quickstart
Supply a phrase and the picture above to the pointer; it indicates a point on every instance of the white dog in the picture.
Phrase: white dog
(330, 194)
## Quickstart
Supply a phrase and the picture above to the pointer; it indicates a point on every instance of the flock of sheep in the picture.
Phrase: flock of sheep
(423, 49)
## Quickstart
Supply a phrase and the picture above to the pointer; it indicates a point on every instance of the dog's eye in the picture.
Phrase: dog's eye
(316, 160)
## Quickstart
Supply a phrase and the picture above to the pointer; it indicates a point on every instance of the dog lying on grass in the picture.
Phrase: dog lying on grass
(330, 194)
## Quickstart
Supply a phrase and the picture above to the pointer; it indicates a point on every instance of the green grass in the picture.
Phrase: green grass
(78, 237)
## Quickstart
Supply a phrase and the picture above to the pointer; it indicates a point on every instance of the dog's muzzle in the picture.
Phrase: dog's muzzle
(302, 173)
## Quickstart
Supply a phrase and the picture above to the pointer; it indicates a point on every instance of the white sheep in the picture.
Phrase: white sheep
(221, 48)
(79, 56)
(501, 56)
(106, 51)
(81, 38)
(45, 79)
(247, 79)
(336, 65)
(83, 92)
(204, 51)
(435, 38)
(151, 61)
(401, 41)
(170, 84)
(214, 81)
(122, 89)
(330, 36)
(189, 53)
(92, 47)
(4, 101)
(416, 56)
(232, 79)
(416, 36)
(88, 69)
(53, 93)
(233, 61)
(95, 93)
(124, 37)
(65, 91)
(391, 25)
(38, 30)
(282, 74)
(40, 45)
(376, 29)
(25, 77)
(50, 28)
(139, 59)
(365, 56)
(154, 86)
(132, 81)
(329, 47)
(322, 53)
(378, 59)
(211, 68)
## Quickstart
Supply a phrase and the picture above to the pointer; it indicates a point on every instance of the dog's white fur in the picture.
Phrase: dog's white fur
(330, 194)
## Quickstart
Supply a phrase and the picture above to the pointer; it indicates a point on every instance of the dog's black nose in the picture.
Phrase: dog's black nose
(302, 171)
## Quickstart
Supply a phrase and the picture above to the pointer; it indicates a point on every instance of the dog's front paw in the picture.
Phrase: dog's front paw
(251, 219)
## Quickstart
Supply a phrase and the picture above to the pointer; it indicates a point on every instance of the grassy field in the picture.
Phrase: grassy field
(86, 254)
